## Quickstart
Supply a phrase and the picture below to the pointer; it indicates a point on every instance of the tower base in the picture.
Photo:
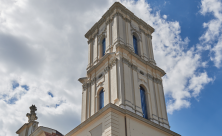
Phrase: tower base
(115, 121)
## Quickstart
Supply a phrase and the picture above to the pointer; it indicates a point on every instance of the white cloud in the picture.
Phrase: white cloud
(196, 83)
(42, 45)
(213, 33)
(218, 53)
(165, 16)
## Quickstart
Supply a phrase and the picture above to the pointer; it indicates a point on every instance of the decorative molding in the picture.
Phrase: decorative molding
(100, 84)
(111, 64)
(93, 80)
(106, 69)
(150, 76)
(85, 86)
(142, 80)
(142, 60)
(156, 80)
(134, 67)
(133, 30)
(100, 36)
(117, 9)
(92, 37)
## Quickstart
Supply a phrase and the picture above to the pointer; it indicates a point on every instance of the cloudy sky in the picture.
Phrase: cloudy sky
(43, 52)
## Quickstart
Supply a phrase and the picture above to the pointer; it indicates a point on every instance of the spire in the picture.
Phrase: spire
(32, 115)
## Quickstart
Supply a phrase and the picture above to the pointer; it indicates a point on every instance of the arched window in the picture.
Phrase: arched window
(101, 99)
(135, 45)
(103, 47)
(143, 102)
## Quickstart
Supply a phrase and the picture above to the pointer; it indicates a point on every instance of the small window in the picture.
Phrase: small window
(143, 102)
(101, 99)
(100, 76)
(141, 72)
(103, 47)
(135, 45)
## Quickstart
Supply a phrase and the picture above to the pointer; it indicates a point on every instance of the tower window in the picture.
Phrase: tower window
(135, 45)
(143, 102)
(101, 99)
(103, 47)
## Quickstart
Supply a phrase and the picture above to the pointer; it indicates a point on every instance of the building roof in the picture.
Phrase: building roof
(53, 134)
(47, 131)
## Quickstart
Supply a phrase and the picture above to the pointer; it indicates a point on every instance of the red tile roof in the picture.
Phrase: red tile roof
(53, 134)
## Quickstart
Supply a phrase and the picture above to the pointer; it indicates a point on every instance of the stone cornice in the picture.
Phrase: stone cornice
(113, 107)
(156, 80)
(118, 9)
(100, 61)
(88, 83)
(140, 59)
(133, 54)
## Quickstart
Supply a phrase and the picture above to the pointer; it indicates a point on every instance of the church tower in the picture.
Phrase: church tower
(122, 93)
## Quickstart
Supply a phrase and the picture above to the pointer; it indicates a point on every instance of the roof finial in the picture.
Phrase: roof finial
(32, 115)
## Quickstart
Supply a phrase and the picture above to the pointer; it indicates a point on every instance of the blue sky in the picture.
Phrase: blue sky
(43, 53)
(203, 117)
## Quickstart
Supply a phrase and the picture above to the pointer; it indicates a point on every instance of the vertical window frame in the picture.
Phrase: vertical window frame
(103, 46)
(101, 99)
(135, 45)
(143, 102)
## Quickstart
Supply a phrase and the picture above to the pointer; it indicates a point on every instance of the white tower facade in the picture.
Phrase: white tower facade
(121, 63)
(123, 92)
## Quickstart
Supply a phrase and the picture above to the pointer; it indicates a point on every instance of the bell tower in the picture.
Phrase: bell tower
(122, 93)
(121, 68)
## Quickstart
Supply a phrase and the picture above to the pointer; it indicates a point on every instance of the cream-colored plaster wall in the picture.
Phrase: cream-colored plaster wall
(144, 43)
(114, 31)
(108, 33)
(93, 98)
(95, 45)
(83, 113)
(112, 125)
(106, 87)
(121, 28)
(113, 84)
(138, 128)
(89, 55)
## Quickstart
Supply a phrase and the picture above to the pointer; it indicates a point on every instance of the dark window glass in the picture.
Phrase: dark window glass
(143, 102)
(135, 45)
(103, 47)
(101, 99)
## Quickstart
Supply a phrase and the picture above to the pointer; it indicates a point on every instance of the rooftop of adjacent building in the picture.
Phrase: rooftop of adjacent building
(47, 131)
